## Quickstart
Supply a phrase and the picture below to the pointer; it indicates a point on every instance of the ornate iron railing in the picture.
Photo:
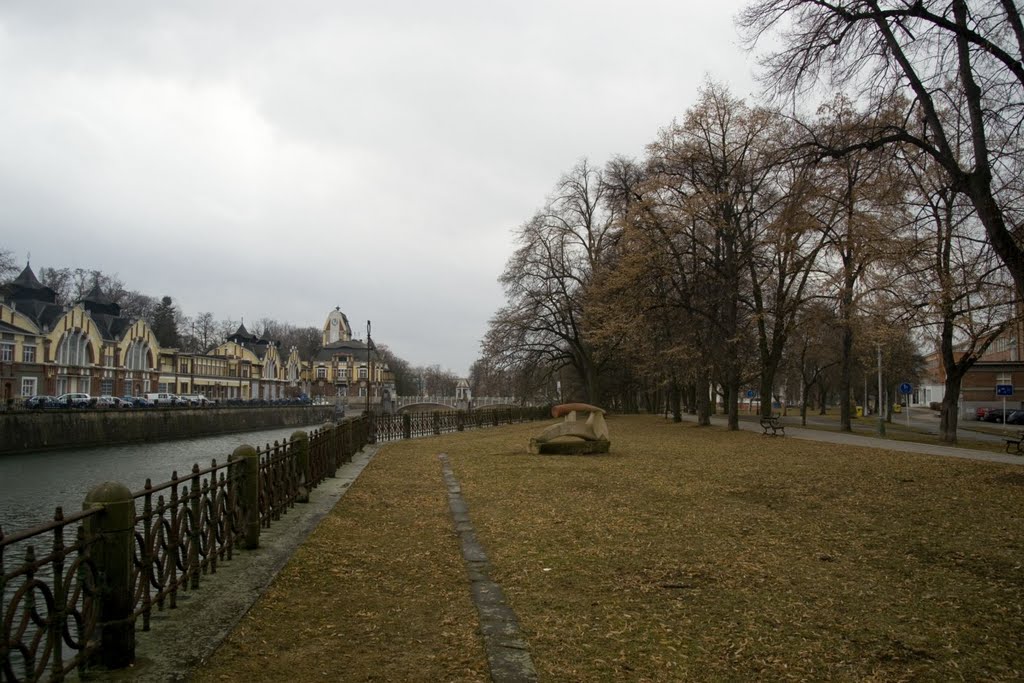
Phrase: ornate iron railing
(184, 528)
(48, 613)
(54, 604)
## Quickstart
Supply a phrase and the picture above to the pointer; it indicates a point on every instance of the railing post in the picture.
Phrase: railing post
(300, 444)
(437, 422)
(406, 426)
(460, 421)
(112, 529)
(248, 461)
(371, 428)
(329, 431)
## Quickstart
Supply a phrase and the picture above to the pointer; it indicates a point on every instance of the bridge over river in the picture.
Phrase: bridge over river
(413, 403)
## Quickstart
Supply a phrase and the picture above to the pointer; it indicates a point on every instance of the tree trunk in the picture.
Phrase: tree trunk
(845, 372)
(676, 399)
(703, 396)
(949, 412)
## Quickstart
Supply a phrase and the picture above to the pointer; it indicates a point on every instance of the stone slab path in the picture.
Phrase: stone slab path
(508, 653)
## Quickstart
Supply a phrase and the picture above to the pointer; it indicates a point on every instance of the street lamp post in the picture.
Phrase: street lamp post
(369, 343)
(881, 412)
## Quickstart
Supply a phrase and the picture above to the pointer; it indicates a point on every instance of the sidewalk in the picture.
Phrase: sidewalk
(845, 438)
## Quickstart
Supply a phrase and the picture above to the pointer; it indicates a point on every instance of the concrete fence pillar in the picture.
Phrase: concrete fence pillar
(460, 420)
(113, 530)
(248, 462)
(300, 444)
(334, 447)
(437, 422)
(406, 426)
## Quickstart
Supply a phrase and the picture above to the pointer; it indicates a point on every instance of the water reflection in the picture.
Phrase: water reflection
(33, 484)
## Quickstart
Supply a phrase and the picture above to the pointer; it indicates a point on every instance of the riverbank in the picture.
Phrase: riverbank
(179, 641)
(26, 432)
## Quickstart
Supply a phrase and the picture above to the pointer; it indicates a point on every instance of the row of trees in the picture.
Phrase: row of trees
(752, 245)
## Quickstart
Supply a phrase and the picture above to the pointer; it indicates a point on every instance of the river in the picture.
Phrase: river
(32, 485)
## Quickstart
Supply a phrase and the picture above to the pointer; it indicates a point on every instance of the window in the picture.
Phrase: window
(106, 387)
(341, 373)
(135, 356)
(321, 373)
(28, 354)
(362, 373)
(183, 368)
(6, 353)
(28, 386)
(73, 349)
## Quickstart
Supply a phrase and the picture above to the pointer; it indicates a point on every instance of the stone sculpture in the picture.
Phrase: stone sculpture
(591, 435)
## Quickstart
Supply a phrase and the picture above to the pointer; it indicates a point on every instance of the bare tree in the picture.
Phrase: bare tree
(546, 282)
(933, 58)
(8, 266)
(958, 287)
(859, 210)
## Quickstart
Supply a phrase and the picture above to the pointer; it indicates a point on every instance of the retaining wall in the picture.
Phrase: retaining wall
(44, 430)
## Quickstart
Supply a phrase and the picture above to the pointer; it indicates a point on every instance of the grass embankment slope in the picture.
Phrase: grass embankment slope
(685, 554)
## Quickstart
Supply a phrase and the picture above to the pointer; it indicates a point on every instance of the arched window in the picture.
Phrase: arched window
(73, 349)
(136, 356)
(270, 369)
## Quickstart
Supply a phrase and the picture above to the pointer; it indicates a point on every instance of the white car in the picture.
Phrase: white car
(74, 400)
(199, 400)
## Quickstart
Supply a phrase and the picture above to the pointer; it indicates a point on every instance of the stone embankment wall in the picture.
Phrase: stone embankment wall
(22, 432)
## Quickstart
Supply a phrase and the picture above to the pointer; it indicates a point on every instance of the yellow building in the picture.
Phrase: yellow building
(49, 349)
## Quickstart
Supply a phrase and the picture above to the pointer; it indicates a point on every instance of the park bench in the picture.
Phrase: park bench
(774, 424)
(1016, 444)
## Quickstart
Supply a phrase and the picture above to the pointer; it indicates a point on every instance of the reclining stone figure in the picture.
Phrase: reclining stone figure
(593, 433)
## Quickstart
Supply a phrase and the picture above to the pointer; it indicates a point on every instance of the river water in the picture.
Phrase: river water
(32, 485)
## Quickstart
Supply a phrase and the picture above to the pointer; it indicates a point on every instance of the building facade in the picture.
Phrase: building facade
(89, 347)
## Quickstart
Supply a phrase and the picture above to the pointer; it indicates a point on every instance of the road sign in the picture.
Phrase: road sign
(905, 388)
(1004, 390)
(750, 393)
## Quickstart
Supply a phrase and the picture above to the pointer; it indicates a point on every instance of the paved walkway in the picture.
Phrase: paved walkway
(872, 441)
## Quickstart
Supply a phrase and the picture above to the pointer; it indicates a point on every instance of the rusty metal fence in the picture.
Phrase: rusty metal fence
(75, 590)
(62, 609)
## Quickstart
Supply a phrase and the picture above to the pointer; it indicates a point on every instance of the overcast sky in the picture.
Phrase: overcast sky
(278, 159)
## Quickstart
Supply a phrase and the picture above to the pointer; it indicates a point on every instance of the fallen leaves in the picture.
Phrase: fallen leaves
(685, 553)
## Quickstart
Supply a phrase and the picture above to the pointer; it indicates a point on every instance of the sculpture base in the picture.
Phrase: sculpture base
(570, 447)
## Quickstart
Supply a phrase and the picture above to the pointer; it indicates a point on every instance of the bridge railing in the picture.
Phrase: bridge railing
(453, 402)
(411, 425)
(69, 605)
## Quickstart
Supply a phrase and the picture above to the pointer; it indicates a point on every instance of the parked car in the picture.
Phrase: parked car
(164, 399)
(1016, 417)
(199, 400)
(123, 403)
(104, 402)
(75, 400)
(979, 413)
(40, 402)
(139, 401)
(996, 415)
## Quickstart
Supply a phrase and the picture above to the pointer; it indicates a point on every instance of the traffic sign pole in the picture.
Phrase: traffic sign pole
(906, 389)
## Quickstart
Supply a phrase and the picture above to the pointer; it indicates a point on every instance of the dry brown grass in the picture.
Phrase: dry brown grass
(685, 554)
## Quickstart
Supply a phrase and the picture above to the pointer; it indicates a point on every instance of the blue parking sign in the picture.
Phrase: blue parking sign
(906, 389)
(1004, 390)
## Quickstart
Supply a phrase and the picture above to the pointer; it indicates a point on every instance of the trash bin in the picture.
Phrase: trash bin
(860, 411)
(897, 408)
